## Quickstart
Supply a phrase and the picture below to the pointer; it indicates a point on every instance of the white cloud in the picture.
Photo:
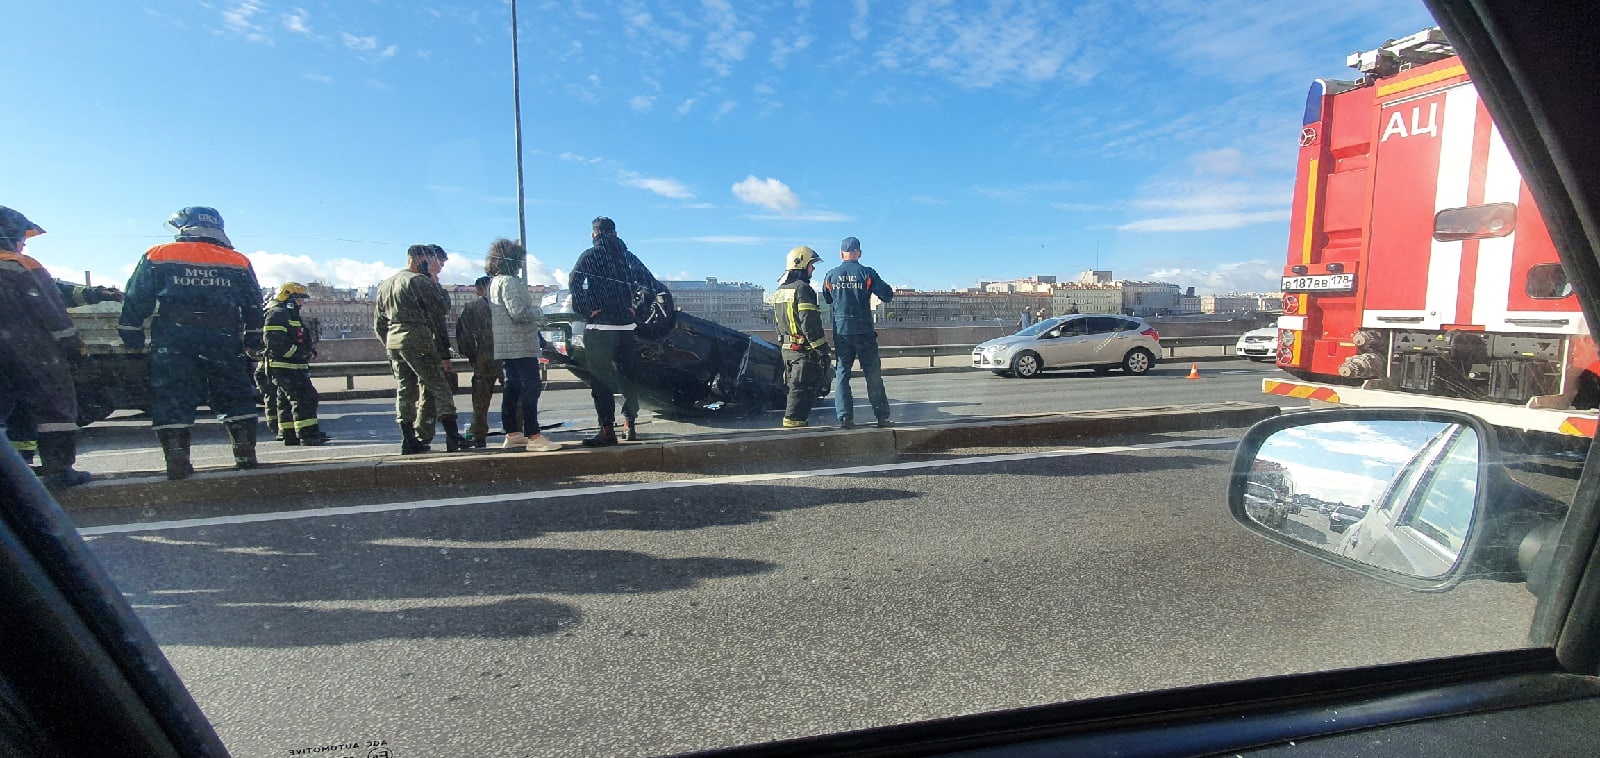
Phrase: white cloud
(1225, 161)
(273, 269)
(298, 21)
(389, 51)
(726, 43)
(1202, 222)
(579, 158)
(976, 47)
(782, 49)
(320, 78)
(359, 44)
(642, 103)
(724, 109)
(685, 107)
(239, 20)
(768, 193)
(1226, 277)
(671, 188)
(859, 29)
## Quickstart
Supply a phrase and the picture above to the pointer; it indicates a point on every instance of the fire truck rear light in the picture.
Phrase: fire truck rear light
(1291, 304)
(1299, 269)
(1286, 337)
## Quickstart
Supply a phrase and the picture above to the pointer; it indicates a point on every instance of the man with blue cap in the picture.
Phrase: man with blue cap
(849, 288)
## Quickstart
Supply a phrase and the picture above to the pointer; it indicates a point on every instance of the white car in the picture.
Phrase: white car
(1258, 344)
(1072, 341)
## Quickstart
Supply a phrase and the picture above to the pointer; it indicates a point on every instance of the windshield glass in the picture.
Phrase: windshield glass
(654, 420)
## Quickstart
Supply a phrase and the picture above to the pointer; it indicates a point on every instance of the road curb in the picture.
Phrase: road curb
(291, 481)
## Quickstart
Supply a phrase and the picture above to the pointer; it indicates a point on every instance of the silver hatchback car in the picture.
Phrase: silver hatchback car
(1101, 342)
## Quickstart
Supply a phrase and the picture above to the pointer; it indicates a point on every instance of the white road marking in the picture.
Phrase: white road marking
(352, 510)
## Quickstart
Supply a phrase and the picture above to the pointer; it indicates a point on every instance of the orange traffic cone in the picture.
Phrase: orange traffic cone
(1194, 371)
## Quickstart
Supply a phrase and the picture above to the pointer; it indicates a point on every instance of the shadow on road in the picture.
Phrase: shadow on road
(469, 571)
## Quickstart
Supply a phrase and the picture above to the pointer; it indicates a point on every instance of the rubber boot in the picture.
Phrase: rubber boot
(57, 452)
(409, 444)
(311, 436)
(290, 437)
(453, 441)
(630, 429)
(243, 434)
(175, 448)
(606, 437)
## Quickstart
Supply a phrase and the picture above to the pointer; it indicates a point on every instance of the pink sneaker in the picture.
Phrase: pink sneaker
(515, 441)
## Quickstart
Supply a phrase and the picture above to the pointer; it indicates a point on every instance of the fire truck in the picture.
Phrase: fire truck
(1419, 271)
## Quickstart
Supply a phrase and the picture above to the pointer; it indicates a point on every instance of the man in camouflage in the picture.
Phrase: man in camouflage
(410, 318)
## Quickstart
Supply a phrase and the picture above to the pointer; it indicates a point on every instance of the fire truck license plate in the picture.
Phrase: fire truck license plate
(1320, 283)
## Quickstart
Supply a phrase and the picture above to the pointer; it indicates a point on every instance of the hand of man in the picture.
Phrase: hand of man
(449, 368)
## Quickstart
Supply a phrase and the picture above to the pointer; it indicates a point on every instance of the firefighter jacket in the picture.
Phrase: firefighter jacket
(799, 321)
(29, 299)
(289, 344)
(199, 292)
(475, 332)
(609, 282)
(849, 288)
(409, 307)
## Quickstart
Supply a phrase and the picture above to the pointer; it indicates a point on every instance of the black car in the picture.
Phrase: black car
(685, 365)
(1342, 516)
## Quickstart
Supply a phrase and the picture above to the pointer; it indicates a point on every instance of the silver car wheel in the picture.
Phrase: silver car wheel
(1026, 366)
(1137, 361)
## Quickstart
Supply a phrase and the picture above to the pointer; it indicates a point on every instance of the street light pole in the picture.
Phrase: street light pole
(516, 104)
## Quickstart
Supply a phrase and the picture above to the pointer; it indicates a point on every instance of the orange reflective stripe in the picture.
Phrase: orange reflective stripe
(1579, 426)
(196, 253)
(27, 262)
(1303, 391)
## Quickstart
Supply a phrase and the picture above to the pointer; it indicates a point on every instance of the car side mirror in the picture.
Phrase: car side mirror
(1419, 498)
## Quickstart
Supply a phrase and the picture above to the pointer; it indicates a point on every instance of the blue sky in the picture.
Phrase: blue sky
(959, 140)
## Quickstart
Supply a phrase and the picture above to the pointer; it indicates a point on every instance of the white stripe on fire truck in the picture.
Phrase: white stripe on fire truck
(1455, 170)
(1502, 184)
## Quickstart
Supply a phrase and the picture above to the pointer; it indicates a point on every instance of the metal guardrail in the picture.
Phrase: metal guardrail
(352, 370)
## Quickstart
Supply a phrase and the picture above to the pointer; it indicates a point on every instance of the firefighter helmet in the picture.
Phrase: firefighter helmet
(14, 228)
(196, 216)
(290, 289)
(800, 258)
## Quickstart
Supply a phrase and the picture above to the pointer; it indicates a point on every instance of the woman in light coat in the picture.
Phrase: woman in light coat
(516, 321)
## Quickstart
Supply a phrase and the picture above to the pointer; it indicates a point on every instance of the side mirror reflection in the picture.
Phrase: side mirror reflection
(1396, 495)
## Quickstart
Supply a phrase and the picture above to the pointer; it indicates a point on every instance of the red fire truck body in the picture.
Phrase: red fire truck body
(1418, 261)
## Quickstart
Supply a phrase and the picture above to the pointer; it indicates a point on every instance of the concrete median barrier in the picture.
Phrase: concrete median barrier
(763, 450)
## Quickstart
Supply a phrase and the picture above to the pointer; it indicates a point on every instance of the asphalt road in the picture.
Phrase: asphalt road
(683, 614)
(124, 444)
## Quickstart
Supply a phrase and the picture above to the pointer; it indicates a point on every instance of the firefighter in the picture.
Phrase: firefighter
(207, 316)
(805, 346)
(20, 427)
(38, 345)
(410, 319)
(289, 354)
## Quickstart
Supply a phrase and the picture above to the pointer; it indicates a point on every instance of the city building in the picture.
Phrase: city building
(1086, 298)
(1150, 298)
(1229, 303)
(736, 305)
(912, 307)
(340, 319)
(1031, 284)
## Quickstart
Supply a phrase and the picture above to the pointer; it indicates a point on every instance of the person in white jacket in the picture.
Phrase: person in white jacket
(516, 320)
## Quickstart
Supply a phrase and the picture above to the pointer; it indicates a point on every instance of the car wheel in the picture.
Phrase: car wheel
(1026, 365)
(1138, 361)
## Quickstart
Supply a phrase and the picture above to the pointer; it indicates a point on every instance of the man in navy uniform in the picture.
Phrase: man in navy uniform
(849, 288)
(206, 310)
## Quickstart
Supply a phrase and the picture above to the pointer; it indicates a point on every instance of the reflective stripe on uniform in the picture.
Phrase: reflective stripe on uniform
(25, 446)
(303, 423)
(52, 428)
(294, 366)
(291, 351)
(275, 328)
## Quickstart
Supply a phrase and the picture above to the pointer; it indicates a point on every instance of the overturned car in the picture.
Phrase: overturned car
(684, 365)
